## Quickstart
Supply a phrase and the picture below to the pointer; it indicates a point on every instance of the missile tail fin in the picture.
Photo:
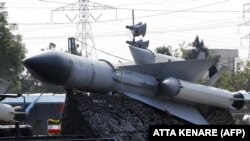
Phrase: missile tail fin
(142, 56)
(201, 55)
(182, 111)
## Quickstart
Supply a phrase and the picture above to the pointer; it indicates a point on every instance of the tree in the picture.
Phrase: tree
(164, 50)
(197, 46)
(12, 52)
(32, 85)
(168, 51)
(240, 80)
(52, 46)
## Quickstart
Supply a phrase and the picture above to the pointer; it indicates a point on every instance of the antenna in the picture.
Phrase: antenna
(137, 30)
(133, 22)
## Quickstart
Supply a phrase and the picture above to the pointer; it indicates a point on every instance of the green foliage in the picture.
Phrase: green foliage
(197, 46)
(240, 80)
(32, 85)
(186, 50)
(168, 51)
(12, 52)
(225, 81)
(164, 50)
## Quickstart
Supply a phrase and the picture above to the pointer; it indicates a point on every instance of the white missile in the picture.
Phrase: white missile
(7, 112)
(17, 113)
(191, 92)
(167, 86)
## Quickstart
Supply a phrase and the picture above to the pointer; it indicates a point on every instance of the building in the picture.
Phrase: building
(227, 57)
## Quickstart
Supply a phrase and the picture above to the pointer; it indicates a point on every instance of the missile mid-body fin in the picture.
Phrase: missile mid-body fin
(189, 70)
(182, 111)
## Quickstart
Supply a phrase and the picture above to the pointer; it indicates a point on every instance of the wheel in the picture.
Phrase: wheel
(4, 131)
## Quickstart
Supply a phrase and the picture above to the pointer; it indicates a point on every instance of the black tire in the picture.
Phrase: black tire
(9, 130)
(5, 132)
(26, 130)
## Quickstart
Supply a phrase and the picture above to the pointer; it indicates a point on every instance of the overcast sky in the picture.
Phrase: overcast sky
(169, 22)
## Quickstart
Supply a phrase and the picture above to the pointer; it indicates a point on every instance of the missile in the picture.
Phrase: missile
(167, 86)
(9, 113)
(197, 93)
(74, 72)
(17, 113)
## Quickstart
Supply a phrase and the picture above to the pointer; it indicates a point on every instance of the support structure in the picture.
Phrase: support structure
(83, 17)
(246, 18)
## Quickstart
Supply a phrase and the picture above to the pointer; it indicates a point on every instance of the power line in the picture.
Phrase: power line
(106, 52)
(193, 11)
(100, 50)
(121, 19)
(200, 27)
(178, 28)
(195, 28)
(202, 6)
(53, 2)
(138, 9)
(247, 36)
(174, 11)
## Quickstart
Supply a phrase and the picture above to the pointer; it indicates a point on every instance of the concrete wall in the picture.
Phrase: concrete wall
(227, 57)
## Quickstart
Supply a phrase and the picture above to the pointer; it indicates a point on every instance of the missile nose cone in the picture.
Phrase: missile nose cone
(51, 67)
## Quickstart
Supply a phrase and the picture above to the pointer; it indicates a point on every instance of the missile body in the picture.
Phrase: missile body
(132, 82)
(94, 75)
(80, 73)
